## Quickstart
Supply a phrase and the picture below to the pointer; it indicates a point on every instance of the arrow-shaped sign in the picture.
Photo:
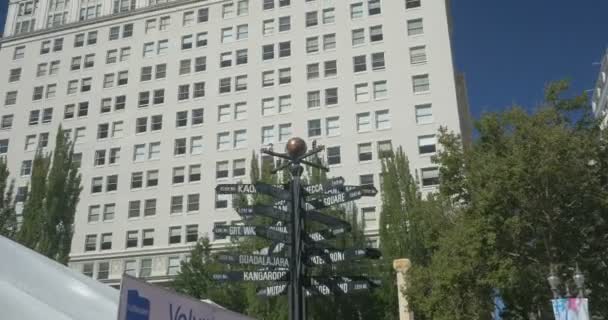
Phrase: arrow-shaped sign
(323, 187)
(342, 197)
(327, 219)
(254, 259)
(263, 188)
(319, 289)
(324, 256)
(273, 291)
(252, 276)
(338, 288)
(275, 233)
(267, 211)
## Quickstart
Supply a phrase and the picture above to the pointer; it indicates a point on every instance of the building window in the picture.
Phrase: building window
(375, 33)
(103, 270)
(152, 178)
(410, 4)
(223, 141)
(380, 90)
(361, 92)
(175, 235)
(332, 126)
(418, 55)
(284, 49)
(240, 139)
(314, 128)
(134, 209)
(94, 214)
(369, 217)
(106, 241)
(358, 37)
(312, 19)
(268, 52)
(145, 267)
(284, 132)
(312, 71)
(383, 120)
(424, 114)
(267, 135)
(421, 83)
(313, 99)
(221, 170)
(364, 122)
(111, 183)
(333, 156)
(149, 207)
(331, 68)
(192, 233)
(427, 144)
(374, 7)
(131, 267)
(132, 239)
(108, 212)
(414, 27)
(96, 184)
(147, 237)
(177, 204)
(87, 269)
(173, 265)
(238, 168)
(194, 173)
(430, 176)
(385, 149)
(193, 202)
(365, 151)
(179, 175)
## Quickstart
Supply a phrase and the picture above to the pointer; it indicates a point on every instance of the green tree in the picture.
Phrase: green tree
(30, 233)
(48, 214)
(529, 194)
(8, 218)
(195, 279)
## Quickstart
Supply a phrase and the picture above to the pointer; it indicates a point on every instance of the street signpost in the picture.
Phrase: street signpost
(296, 205)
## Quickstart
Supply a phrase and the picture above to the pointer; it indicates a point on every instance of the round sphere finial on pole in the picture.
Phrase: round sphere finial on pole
(296, 147)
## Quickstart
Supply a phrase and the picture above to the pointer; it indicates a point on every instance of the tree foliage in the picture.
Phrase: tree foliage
(8, 218)
(530, 193)
(48, 213)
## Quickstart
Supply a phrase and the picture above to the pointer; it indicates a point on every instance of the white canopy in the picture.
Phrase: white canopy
(35, 287)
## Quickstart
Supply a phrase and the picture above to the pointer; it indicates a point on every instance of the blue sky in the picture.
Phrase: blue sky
(510, 49)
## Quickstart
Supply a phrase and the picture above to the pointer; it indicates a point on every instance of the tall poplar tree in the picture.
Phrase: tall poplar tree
(8, 218)
(48, 213)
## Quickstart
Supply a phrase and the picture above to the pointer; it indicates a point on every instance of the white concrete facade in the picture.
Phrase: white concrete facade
(599, 99)
(403, 89)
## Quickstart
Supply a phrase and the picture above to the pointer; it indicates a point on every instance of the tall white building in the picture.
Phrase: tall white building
(600, 94)
(167, 99)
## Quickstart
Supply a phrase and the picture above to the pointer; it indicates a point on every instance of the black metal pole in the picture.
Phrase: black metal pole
(296, 294)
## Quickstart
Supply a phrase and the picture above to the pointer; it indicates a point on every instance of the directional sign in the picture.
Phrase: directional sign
(327, 219)
(254, 259)
(319, 289)
(324, 235)
(325, 256)
(342, 197)
(323, 187)
(339, 288)
(273, 291)
(266, 211)
(276, 233)
(263, 188)
(252, 276)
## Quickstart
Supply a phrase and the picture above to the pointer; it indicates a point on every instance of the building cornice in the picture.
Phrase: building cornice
(115, 16)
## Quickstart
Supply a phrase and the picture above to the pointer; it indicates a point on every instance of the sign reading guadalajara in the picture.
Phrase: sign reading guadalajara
(253, 259)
